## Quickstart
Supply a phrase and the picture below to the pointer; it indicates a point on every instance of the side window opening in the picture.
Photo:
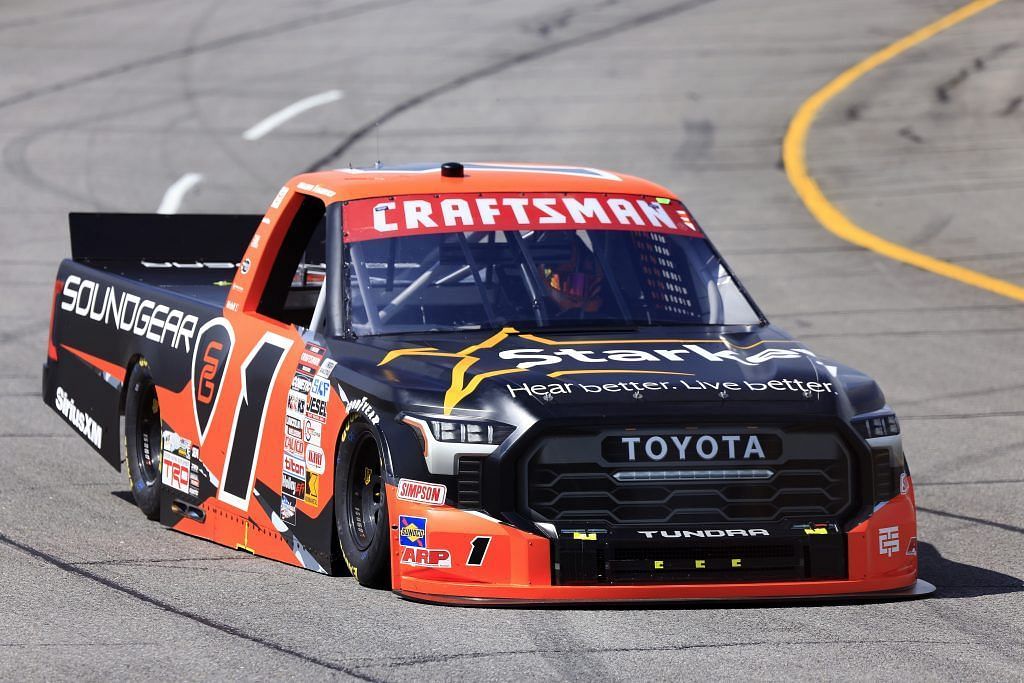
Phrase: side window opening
(300, 268)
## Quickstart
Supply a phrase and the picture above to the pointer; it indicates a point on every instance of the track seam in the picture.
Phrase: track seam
(498, 67)
(794, 151)
(168, 607)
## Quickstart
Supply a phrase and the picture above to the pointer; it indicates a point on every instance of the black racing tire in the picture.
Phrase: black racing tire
(361, 506)
(142, 434)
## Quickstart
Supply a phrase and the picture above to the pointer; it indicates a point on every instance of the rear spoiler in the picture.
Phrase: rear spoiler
(157, 237)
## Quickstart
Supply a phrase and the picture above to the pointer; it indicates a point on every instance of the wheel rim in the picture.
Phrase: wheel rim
(147, 455)
(364, 493)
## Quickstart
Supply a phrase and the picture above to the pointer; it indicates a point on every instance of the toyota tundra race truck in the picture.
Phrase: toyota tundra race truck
(478, 383)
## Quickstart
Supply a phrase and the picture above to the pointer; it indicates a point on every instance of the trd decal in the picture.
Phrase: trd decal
(259, 373)
(209, 361)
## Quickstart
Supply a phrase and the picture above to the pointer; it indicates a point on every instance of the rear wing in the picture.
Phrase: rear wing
(105, 237)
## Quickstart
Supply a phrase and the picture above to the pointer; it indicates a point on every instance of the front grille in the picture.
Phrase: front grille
(568, 482)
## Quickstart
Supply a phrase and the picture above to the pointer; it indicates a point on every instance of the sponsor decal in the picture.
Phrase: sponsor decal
(174, 472)
(316, 189)
(296, 488)
(426, 557)
(904, 483)
(246, 264)
(310, 358)
(307, 369)
(129, 312)
(412, 531)
(220, 265)
(315, 460)
(431, 214)
(294, 445)
(209, 361)
(563, 359)
(326, 367)
(293, 426)
(301, 383)
(421, 492)
(288, 509)
(317, 409)
(281, 194)
(888, 540)
(312, 496)
(78, 418)
(363, 407)
(704, 533)
(320, 388)
(673, 447)
(296, 403)
(312, 431)
(294, 467)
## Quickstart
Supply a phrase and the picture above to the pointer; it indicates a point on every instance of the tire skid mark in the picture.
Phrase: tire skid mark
(975, 520)
(654, 649)
(210, 45)
(496, 68)
(227, 629)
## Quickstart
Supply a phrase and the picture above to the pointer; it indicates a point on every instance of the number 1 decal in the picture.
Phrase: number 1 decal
(478, 551)
(250, 415)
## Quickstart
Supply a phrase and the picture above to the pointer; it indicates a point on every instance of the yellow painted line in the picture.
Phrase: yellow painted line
(794, 148)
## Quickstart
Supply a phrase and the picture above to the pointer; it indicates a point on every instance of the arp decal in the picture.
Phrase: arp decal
(426, 557)
(209, 362)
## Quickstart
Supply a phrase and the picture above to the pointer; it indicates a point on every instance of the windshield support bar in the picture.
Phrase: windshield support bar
(474, 268)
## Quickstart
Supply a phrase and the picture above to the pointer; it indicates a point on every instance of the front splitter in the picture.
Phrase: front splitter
(919, 589)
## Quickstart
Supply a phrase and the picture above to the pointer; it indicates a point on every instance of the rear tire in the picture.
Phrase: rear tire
(142, 435)
(361, 506)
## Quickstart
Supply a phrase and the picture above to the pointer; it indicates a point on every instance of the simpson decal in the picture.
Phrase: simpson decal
(421, 492)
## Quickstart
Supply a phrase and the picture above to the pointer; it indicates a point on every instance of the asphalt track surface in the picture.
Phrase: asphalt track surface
(105, 105)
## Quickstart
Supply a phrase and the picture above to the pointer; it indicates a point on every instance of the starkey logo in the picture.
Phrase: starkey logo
(586, 356)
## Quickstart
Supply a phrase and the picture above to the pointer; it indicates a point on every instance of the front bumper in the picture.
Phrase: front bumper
(440, 561)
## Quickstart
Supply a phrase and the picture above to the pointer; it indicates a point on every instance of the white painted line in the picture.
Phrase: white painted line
(176, 192)
(291, 111)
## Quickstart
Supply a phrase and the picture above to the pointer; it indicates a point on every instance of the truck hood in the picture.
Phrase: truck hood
(509, 372)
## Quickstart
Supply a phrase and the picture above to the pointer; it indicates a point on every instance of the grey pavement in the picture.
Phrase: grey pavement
(103, 105)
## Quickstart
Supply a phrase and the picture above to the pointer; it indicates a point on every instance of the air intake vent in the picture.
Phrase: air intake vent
(470, 482)
(885, 480)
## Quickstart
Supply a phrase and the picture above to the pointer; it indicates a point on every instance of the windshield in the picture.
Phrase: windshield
(539, 279)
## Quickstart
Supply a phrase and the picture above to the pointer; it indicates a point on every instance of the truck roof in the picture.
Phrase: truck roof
(355, 183)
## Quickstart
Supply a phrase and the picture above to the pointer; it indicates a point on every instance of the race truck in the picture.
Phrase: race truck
(478, 383)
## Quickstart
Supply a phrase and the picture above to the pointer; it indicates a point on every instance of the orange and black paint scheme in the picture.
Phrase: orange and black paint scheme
(510, 463)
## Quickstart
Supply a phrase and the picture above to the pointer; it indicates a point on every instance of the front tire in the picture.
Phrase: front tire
(142, 429)
(361, 506)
